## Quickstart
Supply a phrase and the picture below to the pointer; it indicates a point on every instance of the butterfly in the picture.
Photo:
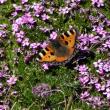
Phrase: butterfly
(60, 50)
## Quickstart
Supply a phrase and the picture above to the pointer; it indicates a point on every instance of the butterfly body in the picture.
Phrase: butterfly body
(59, 50)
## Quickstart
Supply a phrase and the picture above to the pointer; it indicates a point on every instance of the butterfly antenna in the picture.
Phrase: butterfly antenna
(76, 61)
(77, 41)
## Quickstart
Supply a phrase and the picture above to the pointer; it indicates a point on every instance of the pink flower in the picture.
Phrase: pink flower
(107, 93)
(98, 3)
(20, 34)
(19, 21)
(100, 71)
(14, 14)
(96, 64)
(2, 33)
(12, 80)
(45, 17)
(93, 80)
(73, 5)
(19, 40)
(27, 18)
(93, 39)
(64, 10)
(24, 1)
(15, 27)
(108, 83)
(38, 9)
(4, 107)
(103, 66)
(83, 69)
(108, 90)
(45, 66)
(25, 42)
(27, 7)
(3, 26)
(100, 30)
(107, 44)
(33, 45)
(98, 86)
(17, 7)
(44, 44)
(53, 35)
(2, 1)
(84, 95)
(84, 79)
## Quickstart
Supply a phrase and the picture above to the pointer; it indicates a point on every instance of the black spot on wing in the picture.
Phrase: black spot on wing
(69, 40)
(66, 42)
(52, 53)
(39, 57)
(43, 52)
(47, 49)
(66, 34)
(71, 31)
(62, 36)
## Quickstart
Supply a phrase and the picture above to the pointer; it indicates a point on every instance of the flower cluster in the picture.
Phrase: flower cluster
(84, 76)
(94, 101)
(3, 31)
(98, 3)
(102, 66)
(42, 90)
(7, 82)
(100, 23)
(100, 36)
(89, 82)
(86, 40)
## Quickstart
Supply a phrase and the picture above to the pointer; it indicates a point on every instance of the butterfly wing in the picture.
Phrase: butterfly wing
(67, 40)
(46, 54)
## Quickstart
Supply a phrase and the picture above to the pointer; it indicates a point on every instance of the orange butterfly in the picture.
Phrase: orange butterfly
(59, 50)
